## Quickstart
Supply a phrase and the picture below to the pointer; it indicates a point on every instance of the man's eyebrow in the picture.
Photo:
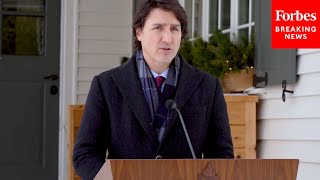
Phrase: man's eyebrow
(172, 25)
(175, 25)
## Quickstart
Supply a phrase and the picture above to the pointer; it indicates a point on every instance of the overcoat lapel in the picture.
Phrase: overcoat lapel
(128, 82)
(188, 82)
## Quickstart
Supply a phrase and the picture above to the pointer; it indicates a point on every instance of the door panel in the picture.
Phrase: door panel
(29, 112)
(20, 127)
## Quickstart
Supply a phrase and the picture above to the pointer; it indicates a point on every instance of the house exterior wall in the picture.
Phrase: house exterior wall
(284, 129)
(95, 34)
(290, 129)
(104, 36)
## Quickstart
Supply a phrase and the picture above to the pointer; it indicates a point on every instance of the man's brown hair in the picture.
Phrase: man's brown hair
(165, 5)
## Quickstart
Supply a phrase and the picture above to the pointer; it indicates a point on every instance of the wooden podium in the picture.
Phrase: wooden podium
(242, 169)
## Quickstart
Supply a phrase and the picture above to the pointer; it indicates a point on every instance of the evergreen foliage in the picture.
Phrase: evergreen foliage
(219, 55)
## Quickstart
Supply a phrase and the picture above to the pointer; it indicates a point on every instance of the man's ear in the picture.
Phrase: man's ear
(138, 34)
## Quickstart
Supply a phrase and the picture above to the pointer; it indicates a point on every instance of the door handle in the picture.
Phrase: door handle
(53, 89)
(52, 77)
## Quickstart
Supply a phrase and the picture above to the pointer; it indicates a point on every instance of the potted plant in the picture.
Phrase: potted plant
(231, 62)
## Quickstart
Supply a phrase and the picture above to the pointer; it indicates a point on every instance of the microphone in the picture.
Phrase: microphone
(172, 105)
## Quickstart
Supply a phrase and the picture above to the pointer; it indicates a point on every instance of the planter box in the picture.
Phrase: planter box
(237, 81)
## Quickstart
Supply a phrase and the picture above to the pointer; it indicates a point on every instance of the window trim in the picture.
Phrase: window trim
(234, 13)
(205, 20)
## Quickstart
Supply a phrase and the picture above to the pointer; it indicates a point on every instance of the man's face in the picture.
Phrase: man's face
(160, 38)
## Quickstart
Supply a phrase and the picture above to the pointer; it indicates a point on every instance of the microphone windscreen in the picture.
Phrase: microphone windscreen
(170, 104)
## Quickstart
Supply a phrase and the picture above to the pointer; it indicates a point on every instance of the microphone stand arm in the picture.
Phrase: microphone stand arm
(186, 133)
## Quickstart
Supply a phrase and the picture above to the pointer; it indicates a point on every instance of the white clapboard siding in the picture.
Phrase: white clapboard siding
(105, 6)
(308, 171)
(291, 129)
(94, 60)
(105, 33)
(104, 37)
(305, 151)
(105, 19)
(306, 51)
(87, 74)
(309, 63)
(104, 47)
(298, 107)
(83, 87)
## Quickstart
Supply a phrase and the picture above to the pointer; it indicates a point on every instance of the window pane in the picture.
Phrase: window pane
(213, 19)
(243, 11)
(197, 18)
(24, 5)
(243, 35)
(23, 35)
(188, 9)
(225, 7)
(228, 35)
(252, 31)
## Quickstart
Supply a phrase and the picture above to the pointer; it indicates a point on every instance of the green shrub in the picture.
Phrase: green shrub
(219, 55)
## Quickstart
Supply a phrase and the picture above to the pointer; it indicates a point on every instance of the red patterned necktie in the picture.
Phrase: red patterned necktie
(159, 81)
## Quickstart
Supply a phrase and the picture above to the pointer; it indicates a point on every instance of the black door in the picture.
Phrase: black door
(29, 89)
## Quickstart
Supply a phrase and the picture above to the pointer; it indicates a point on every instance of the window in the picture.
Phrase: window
(234, 17)
(22, 27)
(237, 18)
(194, 10)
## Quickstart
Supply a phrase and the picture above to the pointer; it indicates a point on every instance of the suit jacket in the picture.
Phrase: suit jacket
(117, 119)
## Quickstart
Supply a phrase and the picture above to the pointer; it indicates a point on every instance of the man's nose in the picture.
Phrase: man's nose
(167, 36)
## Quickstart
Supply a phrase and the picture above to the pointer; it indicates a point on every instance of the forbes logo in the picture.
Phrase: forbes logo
(281, 15)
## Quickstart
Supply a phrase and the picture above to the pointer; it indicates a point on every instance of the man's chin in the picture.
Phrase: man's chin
(167, 60)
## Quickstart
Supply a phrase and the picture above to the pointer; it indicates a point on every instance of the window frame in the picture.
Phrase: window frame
(26, 14)
(234, 21)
